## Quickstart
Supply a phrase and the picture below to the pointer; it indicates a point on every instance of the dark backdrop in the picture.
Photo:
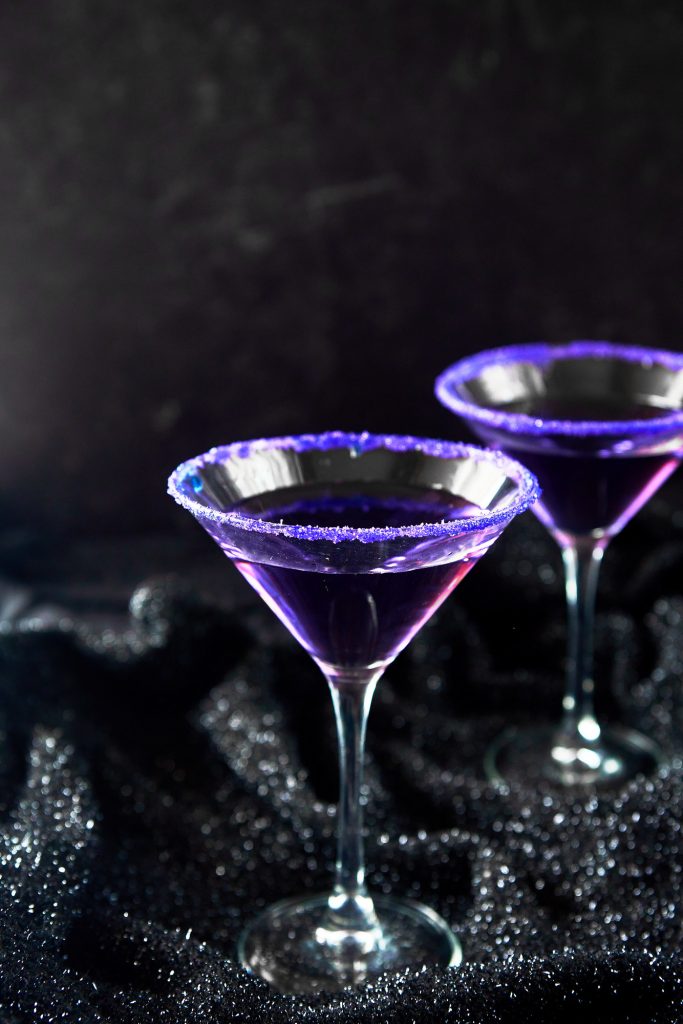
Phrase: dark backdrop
(228, 219)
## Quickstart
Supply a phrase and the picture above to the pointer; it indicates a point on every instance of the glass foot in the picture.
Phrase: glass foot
(525, 755)
(291, 947)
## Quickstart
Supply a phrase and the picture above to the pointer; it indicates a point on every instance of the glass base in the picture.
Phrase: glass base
(523, 756)
(291, 947)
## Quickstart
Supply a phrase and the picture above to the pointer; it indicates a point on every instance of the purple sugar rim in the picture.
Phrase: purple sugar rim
(527, 493)
(445, 388)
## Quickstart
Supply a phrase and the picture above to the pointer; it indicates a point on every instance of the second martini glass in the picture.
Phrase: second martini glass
(353, 540)
(602, 426)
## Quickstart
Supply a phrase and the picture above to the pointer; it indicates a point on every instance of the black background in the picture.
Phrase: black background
(225, 220)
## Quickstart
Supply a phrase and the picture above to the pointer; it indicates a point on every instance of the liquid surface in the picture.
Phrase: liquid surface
(591, 485)
(352, 620)
(376, 505)
(611, 407)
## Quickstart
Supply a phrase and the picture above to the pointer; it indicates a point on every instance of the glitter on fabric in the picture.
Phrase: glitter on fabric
(527, 494)
(165, 777)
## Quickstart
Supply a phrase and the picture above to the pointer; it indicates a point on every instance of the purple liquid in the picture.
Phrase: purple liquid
(348, 620)
(590, 483)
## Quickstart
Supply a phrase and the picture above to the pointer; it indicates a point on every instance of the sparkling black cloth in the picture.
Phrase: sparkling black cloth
(166, 775)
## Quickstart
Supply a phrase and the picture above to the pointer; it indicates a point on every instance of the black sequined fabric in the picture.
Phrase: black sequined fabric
(166, 775)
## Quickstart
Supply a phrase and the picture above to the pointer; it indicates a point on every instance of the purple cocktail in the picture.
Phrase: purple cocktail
(353, 540)
(602, 427)
(337, 618)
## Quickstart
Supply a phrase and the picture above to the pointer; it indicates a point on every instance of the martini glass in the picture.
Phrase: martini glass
(602, 426)
(353, 540)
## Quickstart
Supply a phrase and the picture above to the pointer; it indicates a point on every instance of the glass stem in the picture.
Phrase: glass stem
(582, 558)
(350, 907)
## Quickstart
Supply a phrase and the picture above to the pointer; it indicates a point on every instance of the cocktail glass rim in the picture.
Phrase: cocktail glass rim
(464, 370)
(525, 494)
